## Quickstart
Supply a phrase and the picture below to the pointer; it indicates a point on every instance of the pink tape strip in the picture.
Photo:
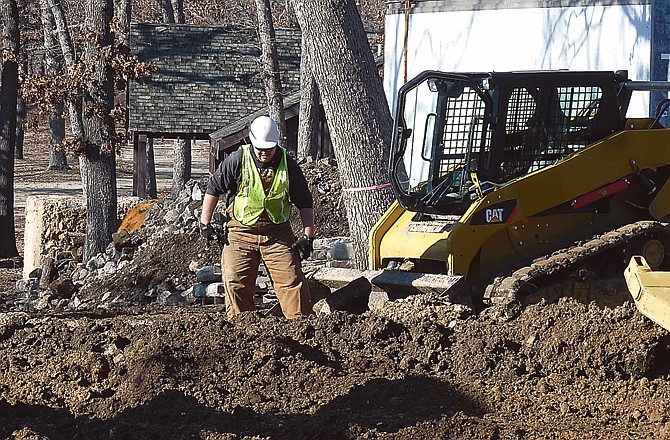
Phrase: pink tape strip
(367, 188)
(363, 188)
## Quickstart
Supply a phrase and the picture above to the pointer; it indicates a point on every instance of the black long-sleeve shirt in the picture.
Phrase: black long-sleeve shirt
(228, 178)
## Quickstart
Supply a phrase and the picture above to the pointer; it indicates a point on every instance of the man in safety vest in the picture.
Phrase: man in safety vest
(262, 182)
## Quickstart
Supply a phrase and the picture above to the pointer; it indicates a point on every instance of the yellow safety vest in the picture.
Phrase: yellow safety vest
(251, 199)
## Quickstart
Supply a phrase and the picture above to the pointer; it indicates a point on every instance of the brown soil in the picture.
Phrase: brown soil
(412, 371)
(421, 368)
(330, 216)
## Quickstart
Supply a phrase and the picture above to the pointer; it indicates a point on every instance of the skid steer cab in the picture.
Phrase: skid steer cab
(495, 172)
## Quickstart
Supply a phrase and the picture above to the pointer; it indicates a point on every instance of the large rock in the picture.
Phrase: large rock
(209, 274)
(352, 298)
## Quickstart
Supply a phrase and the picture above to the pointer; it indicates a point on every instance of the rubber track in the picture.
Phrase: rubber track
(505, 289)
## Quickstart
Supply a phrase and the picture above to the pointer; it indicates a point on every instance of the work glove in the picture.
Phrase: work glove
(303, 246)
(223, 236)
(207, 232)
(220, 228)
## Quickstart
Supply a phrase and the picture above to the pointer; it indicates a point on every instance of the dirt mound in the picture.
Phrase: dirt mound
(422, 368)
(330, 217)
(165, 262)
(567, 338)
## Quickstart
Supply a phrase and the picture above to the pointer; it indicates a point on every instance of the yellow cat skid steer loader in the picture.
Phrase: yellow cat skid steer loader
(521, 185)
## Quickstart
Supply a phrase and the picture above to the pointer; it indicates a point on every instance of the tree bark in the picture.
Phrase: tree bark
(168, 11)
(269, 65)
(122, 10)
(57, 159)
(98, 163)
(308, 120)
(150, 182)
(182, 166)
(9, 17)
(356, 110)
(67, 48)
(21, 114)
(178, 8)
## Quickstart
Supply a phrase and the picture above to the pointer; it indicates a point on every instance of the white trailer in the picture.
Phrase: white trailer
(506, 35)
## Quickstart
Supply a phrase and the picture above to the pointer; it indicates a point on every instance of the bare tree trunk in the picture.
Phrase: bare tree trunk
(168, 12)
(183, 158)
(67, 48)
(9, 18)
(356, 110)
(98, 163)
(122, 10)
(178, 8)
(62, 31)
(150, 182)
(21, 108)
(56, 122)
(21, 114)
(182, 165)
(270, 67)
(57, 159)
(308, 119)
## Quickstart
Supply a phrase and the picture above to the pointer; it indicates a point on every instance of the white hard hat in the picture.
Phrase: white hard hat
(264, 133)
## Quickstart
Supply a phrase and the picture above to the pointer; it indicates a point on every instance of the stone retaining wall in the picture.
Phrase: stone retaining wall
(56, 226)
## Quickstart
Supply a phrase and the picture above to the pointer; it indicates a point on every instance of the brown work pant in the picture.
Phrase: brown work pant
(240, 261)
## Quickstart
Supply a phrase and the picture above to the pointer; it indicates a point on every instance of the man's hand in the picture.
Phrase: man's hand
(303, 246)
(220, 228)
(223, 236)
(207, 232)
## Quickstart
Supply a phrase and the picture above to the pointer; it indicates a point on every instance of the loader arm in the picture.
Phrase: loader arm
(650, 290)
(660, 206)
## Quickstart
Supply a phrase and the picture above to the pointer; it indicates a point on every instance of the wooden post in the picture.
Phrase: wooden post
(213, 155)
(151, 189)
(140, 165)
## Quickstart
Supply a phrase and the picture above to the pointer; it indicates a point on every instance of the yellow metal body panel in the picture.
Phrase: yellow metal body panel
(660, 206)
(639, 123)
(650, 290)
(405, 238)
(530, 230)
(379, 231)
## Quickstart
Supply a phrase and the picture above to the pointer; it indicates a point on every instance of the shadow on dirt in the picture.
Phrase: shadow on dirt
(384, 405)
(658, 365)
(392, 404)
